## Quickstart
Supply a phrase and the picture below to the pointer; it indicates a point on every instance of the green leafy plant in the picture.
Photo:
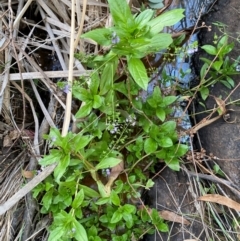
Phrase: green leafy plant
(133, 37)
(220, 69)
(100, 173)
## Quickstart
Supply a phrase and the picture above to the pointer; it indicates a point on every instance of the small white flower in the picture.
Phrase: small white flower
(113, 128)
(131, 119)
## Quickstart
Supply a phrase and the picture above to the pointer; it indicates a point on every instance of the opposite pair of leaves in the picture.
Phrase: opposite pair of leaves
(125, 212)
(171, 155)
(96, 100)
(90, 102)
(57, 156)
(151, 145)
(221, 49)
(163, 136)
(160, 103)
(65, 223)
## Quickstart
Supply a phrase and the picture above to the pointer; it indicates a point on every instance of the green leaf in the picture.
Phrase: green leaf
(225, 83)
(55, 137)
(117, 216)
(210, 49)
(78, 199)
(138, 72)
(107, 76)
(89, 192)
(165, 142)
(54, 156)
(80, 233)
(108, 163)
(162, 227)
(156, 218)
(166, 19)
(168, 126)
(162, 154)
(204, 91)
(92, 231)
(97, 101)
(173, 164)
(149, 184)
(102, 36)
(121, 87)
(230, 81)
(84, 110)
(94, 83)
(226, 49)
(217, 65)
(121, 14)
(39, 188)
(103, 219)
(101, 188)
(129, 219)
(150, 146)
(223, 41)
(159, 42)
(181, 149)
(82, 94)
(157, 95)
(137, 43)
(81, 141)
(152, 102)
(115, 198)
(144, 17)
(47, 199)
(168, 100)
(61, 167)
(57, 233)
(128, 208)
(161, 114)
(102, 201)
(204, 70)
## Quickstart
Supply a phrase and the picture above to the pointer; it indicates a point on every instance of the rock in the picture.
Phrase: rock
(172, 192)
(222, 138)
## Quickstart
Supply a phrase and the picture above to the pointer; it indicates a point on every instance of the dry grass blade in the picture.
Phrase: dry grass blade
(67, 116)
(26, 189)
(11, 181)
(216, 198)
